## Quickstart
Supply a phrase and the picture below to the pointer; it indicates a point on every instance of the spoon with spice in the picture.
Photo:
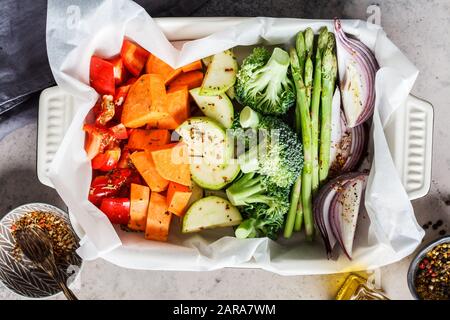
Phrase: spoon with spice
(37, 246)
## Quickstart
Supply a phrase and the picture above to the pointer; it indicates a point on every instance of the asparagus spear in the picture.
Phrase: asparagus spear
(315, 104)
(329, 70)
(309, 41)
(308, 79)
(301, 54)
(308, 73)
(299, 217)
(332, 43)
(300, 45)
(295, 192)
(291, 217)
(305, 120)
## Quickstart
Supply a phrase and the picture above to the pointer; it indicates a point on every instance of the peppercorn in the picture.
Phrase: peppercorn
(432, 279)
(62, 238)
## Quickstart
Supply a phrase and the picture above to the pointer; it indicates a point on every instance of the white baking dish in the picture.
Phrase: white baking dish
(408, 132)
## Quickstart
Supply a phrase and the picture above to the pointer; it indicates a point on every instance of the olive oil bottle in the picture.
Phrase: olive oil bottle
(357, 287)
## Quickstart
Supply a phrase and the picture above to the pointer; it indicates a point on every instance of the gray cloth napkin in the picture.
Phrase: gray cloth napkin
(24, 67)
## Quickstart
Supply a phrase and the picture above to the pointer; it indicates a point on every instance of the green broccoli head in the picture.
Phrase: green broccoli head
(269, 167)
(242, 136)
(262, 221)
(283, 161)
(263, 82)
(277, 155)
(251, 188)
(262, 203)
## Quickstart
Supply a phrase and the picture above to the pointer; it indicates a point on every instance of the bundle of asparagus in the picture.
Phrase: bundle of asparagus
(314, 79)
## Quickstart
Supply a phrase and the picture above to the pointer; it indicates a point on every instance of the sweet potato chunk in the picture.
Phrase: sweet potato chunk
(145, 102)
(178, 198)
(141, 139)
(158, 218)
(139, 198)
(145, 165)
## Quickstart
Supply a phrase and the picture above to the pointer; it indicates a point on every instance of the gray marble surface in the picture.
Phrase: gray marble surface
(417, 27)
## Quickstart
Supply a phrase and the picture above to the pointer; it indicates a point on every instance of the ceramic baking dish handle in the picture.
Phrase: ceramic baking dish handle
(56, 110)
(409, 135)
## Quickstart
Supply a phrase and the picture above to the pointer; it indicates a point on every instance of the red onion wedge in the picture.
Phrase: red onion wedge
(359, 139)
(347, 144)
(336, 127)
(357, 69)
(336, 209)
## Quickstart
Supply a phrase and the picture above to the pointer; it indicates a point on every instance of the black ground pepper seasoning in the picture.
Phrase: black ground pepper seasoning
(63, 240)
(432, 280)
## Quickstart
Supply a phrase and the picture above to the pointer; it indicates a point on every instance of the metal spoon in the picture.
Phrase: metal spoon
(36, 245)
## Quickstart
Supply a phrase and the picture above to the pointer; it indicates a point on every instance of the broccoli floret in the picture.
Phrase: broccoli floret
(261, 222)
(250, 188)
(242, 136)
(270, 166)
(261, 202)
(263, 82)
(277, 154)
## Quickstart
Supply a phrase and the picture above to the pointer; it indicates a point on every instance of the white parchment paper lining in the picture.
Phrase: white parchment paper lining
(77, 29)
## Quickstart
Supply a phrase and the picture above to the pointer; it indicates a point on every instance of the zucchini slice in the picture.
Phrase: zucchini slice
(220, 74)
(219, 107)
(206, 140)
(214, 176)
(210, 212)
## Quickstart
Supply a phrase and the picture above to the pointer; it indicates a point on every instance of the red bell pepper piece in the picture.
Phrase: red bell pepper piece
(108, 185)
(119, 70)
(101, 76)
(106, 111)
(119, 99)
(134, 57)
(116, 209)
(119, 131)
(130, 130)
(121, 94)
(93, 145)
(131, 81)
(99, 189)
(98, 107)
(134, 178)
(124, 161)
(97, 140)
(107, 160)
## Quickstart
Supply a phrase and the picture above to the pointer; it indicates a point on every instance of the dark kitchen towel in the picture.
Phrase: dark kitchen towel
(24, 66)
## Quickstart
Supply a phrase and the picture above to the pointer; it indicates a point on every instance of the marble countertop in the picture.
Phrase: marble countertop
(415, 26)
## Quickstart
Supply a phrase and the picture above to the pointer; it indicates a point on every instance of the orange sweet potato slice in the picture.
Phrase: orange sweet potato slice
(141, 139)
(139, 198)
(145, 102)
(173, 164)
(158, 218)
(191, 79)
(145, 165)
(178, 197)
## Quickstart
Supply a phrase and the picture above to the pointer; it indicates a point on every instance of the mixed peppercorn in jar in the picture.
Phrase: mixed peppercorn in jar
(432, 280)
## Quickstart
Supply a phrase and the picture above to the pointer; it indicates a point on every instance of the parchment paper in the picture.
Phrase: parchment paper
(385, 234)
